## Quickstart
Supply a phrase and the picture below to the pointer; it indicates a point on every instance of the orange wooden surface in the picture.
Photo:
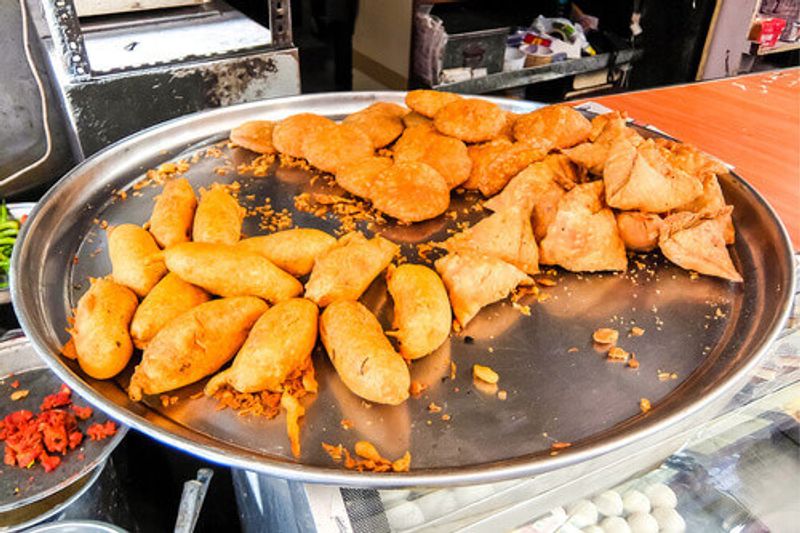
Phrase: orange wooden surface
(751, 122)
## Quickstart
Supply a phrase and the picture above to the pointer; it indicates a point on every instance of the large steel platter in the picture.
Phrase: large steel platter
(708, 332)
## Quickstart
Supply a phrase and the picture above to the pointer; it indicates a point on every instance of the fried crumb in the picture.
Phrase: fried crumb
(502, 395)
(485, 374)
(452, 370)
(644, 405)
(346, 424)
(666, 376)
(433, 408)
(636, 331)
(19, 394)
(558, 445)
(167, 400)
(416, 388)
(633, 362)
(572, 350)
(367, 458)
(523, 309)
(693, 275)
(617, 354)
(605, 336)
(546, 282)
(446, 417)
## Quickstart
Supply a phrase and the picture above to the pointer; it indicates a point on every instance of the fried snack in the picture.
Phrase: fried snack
(289, 134)
(506, 235)
(583, 236)
(294, 412)
(427, 103)
(292, 250)
(228, 270)
(711, 200)
(219, 217)
(422, 317)
(554, 126)
(131, 250)
(332, 147)
(357, 177)
(474, 281)
(696, 241)
(278, 346)
(362, 355)
(195, 345)
(382, 122)
(345, 270)
(448, 156)
(495, 163)
(100, 333)
(639, 231)
(641, 178)
(169, 298)
(606, 130)
(472, 120)
(255, 135)
(410, 192)
(173, 213)
(415, 119)
(689, 159)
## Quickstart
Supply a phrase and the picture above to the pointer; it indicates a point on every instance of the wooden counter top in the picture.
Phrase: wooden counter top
(751, 122)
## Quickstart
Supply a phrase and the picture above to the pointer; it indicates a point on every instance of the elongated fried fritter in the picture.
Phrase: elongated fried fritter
(471, 120)
(195, 345)
(289, 134)
(474, 281)
(173, 213)
(292, 250)
(278, 346)
(583, 235)
(219, 217)
(132, 251)
(410, 192)
(507, 235)
(495, 163)
(357, 177)
(382, 122)
(345, 270)
(427, 103)
(332, 147)
(255, 135)
(422, 316)
(559, 126)
(100, 333)
(696, 241)
(362, 355)
(228, 270)
(169, 298)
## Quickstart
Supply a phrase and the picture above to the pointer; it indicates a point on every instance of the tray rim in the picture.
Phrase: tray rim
(448, 476)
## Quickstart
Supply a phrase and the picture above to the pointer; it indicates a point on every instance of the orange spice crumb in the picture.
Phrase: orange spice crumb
(644, 405)
(605, 336)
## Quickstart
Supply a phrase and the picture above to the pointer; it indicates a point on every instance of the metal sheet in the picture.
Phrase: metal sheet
(553, 394)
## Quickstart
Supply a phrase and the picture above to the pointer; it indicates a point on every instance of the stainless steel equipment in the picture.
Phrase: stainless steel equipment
(710, 333)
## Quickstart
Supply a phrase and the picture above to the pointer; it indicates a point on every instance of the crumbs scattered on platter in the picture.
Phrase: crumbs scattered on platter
(520, 198)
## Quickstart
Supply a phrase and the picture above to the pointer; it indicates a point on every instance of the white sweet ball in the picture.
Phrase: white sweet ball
(634, 501)
(592, 529)
(582, 513)
(661, 495)
(642, 523)
(615, 524)
(405, 516)
(669, 520)
(609, 503)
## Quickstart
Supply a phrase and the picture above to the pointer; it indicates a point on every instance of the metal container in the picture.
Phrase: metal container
(709, 332)
(476, 49)
(79, 487)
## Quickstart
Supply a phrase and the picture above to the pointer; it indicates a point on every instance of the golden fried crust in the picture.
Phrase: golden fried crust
(471, 120)
(228, 270)
(288, 134)
(169, 298)
(293, 250)
(427, 103)
(357, 177)
(446, 155)
(639, 231)
(362, 355)
(496, 162)
(481, 155)
(410, 192)
(345, 270)
(335, 146)
(422, 316)
(278, 346)
(382, 122)
(195, 345)
(255, 135)
(415, 119)
(218, 218)
(100, 333)
(561, 126)
(173, 213)
(132, 251)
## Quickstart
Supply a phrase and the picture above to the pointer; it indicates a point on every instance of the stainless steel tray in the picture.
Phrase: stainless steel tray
(553, 394)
